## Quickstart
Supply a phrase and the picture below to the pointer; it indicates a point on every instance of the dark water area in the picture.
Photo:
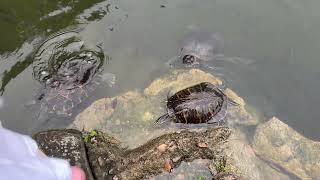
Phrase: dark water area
(281, 38)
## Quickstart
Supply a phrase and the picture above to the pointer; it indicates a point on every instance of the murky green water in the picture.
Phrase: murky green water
(281, 37)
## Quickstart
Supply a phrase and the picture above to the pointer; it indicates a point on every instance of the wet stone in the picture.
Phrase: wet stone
(132, 118)
(242, 158)
(65, 144)
(197, 169)
(147, 161)
(286, 149)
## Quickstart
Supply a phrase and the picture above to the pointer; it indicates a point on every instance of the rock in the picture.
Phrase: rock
(131, 119)
(97, 112)
(241, 158)
(147, 161)
(162, 148)
(288, 150)
(226, 176)
(180, 80)
(167, 165)
(65, 144)
(202, 145)
(197, 169)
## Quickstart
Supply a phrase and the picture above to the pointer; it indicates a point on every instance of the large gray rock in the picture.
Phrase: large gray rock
(282, 146)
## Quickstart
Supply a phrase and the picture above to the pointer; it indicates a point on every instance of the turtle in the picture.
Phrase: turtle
(199, 48)
(68, 71)
(197, 104)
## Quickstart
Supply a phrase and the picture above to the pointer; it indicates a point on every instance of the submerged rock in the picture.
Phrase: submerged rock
(130, 116)
(242, 158)
(277, 151)
(282, 146)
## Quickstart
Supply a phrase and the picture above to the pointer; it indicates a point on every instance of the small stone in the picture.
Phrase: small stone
(100, 161)
(168, 166)
(202, 145)
(162, 6)
(162, 148)
(176, 159)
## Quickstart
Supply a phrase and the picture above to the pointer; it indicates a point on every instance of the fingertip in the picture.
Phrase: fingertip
(77, 173)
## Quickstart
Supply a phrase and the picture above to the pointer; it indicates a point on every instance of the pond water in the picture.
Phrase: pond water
(281, 38)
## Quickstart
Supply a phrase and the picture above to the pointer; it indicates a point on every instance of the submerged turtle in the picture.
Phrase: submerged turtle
(200, 47)
(69, 71)
(201, 103)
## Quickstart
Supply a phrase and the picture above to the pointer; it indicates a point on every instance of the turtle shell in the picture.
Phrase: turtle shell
(201, 103)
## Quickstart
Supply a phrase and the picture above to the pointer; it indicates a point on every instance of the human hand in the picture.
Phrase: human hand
(20, 158)
(77, 173)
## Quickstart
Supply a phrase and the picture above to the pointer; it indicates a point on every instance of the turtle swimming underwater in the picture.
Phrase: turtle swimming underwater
(68, 71)
(201, 103)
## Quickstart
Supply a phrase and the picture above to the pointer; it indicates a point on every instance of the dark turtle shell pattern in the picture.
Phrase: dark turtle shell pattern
(201, 103)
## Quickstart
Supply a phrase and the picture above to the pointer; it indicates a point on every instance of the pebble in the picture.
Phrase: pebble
(176, 159)
(168, 166)
(162, 148)
(202, 145)
(100, 161)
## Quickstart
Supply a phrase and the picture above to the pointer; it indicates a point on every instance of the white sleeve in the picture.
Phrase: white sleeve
(19, 160)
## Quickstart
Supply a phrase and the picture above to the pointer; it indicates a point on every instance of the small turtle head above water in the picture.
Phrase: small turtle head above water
(201, 103)
(199, 46)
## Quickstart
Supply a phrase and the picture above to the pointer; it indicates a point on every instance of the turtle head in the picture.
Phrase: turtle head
(188, 59)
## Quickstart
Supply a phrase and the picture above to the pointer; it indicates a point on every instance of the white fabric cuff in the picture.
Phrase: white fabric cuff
(61, 168)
